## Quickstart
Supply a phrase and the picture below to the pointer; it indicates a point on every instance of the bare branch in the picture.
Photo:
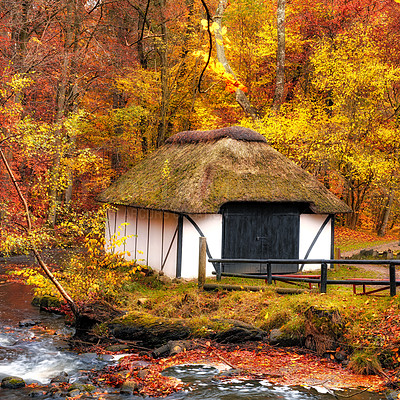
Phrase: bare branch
(39, 259)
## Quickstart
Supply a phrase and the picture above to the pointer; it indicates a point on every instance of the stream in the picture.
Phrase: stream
(40, 353)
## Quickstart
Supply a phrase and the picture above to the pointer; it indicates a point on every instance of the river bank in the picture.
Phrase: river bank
(365, 324)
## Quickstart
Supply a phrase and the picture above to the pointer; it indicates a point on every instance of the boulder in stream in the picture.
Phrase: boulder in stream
(60, 378)
(27, 323)
(129, 387)
(12, 382)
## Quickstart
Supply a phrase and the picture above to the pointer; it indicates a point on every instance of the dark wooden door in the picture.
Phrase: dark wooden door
(260, 231)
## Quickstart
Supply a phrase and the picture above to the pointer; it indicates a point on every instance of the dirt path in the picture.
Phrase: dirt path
(383, 270)
(394, 246)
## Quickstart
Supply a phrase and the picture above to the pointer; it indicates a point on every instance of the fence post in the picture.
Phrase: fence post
(202, 261)
(218, 268)
(392, 277)
(269, 273)
(324, 277)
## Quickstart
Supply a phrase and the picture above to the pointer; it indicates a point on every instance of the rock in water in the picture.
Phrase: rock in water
(27, 322)
(129, 387)
(12, 382)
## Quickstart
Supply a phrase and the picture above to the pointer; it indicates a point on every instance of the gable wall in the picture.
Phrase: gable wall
(211, 226)
(310, 224)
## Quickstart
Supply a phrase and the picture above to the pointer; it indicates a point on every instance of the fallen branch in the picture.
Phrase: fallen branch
(217, 355)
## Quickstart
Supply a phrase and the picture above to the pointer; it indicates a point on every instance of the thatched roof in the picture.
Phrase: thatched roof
(198, 172)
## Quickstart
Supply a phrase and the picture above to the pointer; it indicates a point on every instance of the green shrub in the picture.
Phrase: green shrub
(365, 362)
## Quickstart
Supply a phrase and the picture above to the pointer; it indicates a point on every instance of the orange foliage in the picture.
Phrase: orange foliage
(256, 361)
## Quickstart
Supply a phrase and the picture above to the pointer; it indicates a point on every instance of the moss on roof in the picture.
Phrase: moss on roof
(233, 132)
(198, 176)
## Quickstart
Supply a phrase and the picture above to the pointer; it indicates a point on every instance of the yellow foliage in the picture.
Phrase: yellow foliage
(95, 273)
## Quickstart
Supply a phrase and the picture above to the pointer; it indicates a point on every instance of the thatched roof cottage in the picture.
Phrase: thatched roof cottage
(230, 186)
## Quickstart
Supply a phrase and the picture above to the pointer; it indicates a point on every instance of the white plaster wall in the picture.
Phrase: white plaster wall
(162, 228)
(142, 232)
(169, 259)
(149, 234)
(309, 227)
(109, 231)
(155, 238)
(114, 229)
(211, 226)
(130, 232)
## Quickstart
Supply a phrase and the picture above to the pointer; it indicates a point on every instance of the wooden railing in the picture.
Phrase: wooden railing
(322, 280)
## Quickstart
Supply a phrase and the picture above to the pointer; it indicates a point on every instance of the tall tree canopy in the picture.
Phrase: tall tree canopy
(88, 87)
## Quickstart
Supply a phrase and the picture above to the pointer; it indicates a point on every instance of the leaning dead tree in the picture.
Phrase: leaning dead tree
(241, 97)
(35, 251)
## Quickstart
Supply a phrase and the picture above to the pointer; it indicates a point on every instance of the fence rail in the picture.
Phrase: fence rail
(322, 281)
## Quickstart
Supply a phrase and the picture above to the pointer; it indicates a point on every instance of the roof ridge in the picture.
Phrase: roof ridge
(232, 132)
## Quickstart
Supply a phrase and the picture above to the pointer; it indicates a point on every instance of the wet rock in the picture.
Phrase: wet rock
(81, 387)
(61, 378)
(230, 373)
(73, 393)
(340, 356)
(115, 348)
(282, 338)
(129, 387)
(239, 334)
(46, 302)
(151, 331)
(83, 380)
(88, 356)
(12, 382)
(26, 323)
(139, 364)
(58, 394)
(171, 348)
(37, 393)
(106, 357)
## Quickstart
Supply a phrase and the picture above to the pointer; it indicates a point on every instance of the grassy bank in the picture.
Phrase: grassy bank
(369, 326)
(370, 329)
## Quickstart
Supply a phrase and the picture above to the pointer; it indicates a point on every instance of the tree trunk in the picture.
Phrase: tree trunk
(382, 228)
(280, 57)
(241, 98)
(162, 52)
(66, 96)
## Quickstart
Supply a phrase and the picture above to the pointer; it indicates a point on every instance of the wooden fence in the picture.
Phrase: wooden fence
(322, 280)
